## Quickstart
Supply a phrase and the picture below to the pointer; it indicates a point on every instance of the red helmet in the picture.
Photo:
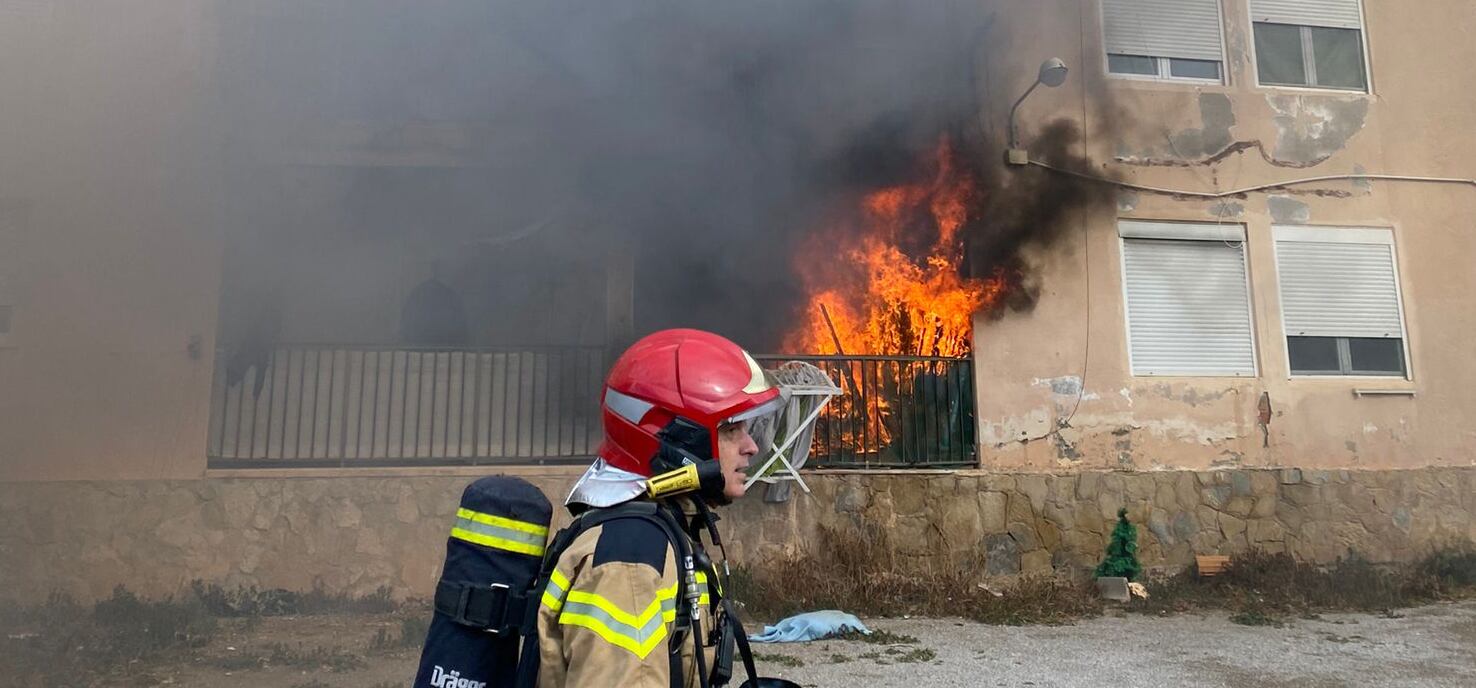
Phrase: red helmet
(671, 391)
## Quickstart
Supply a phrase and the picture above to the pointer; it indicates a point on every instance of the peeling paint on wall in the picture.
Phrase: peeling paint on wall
(1176, 429)
(1066, 385)
(1364, 186)
(1311, 129)
(1288, 211)
(1226, 209)
(1127, 200)
(1216, 116)
(1033, 425)
(1185, 430)
(1191, 396)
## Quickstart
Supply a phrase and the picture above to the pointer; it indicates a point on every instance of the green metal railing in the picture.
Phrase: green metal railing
(893, 412)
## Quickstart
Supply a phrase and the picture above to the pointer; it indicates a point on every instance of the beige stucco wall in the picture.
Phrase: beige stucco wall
(1414, 122)
(108, 238)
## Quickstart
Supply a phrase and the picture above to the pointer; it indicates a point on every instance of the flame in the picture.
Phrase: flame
(880, 299)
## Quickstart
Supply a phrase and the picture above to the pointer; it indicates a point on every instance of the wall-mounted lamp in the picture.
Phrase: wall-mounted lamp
(1052, 74)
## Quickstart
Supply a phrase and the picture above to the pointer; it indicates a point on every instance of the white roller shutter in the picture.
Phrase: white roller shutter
(1338, 283)
(1343, 14)
(1187, 29)
(1188, 308)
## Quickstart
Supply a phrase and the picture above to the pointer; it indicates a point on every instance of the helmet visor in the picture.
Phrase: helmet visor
(766, 408)
(764, 422)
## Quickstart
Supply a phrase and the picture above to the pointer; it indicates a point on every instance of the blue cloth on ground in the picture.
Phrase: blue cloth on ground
(810, 626)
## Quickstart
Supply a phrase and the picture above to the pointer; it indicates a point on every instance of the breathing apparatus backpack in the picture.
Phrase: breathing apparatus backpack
(493, 555)
(498, 561)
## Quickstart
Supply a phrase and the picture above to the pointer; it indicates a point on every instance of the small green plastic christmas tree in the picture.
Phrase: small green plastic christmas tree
(1122, 550)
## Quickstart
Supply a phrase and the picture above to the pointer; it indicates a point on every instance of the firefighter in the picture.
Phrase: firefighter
(628, 600)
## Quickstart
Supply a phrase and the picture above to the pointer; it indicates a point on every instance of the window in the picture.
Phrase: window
(1188, 304)
(1314, 43)
(1164, 39)
(1340, 301)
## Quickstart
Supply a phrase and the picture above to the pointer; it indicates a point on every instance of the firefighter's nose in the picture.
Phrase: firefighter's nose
(749, 447)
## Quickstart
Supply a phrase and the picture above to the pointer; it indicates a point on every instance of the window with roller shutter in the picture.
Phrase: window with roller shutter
(1340, 301)
(1188, 302)
(1310, 43)
(1177, 40)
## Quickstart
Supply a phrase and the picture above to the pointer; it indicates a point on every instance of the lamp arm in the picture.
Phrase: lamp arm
(1014, 134)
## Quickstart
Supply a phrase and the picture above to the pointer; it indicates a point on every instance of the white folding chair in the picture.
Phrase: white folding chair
(790, 442)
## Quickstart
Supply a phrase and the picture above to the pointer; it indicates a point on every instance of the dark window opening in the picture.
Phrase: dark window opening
(1315, 56)
(1132, 64)
(1346, 356)
(1194, 69)
(1337, 55)
(1163, 67)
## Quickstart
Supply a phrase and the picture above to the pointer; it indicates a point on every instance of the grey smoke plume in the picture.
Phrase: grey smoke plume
(715, 134)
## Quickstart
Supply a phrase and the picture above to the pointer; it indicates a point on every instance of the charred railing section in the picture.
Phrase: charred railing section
(331, 405)
(894, 412)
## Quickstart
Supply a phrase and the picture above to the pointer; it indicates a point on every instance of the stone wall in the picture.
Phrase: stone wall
(1042, 523)
(356, 534)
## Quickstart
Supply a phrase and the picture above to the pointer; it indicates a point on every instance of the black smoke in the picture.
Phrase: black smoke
(716, 136)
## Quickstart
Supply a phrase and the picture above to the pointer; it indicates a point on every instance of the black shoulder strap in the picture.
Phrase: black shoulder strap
(529, 661)
(745, 652)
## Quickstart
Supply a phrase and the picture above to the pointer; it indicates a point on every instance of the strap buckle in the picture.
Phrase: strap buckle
(483, 607)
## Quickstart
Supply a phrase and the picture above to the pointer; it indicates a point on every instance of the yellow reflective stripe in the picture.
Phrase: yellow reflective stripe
(636, 647)
(497, 542)
(614, 611)
(553, 595)
(703, 590)
(638, 633)
(501, 522)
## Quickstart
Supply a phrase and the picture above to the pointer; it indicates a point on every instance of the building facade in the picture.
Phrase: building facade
(1256, 336)
(1283, 279)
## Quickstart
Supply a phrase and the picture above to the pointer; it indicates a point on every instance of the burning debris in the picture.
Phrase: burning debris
(897, 286)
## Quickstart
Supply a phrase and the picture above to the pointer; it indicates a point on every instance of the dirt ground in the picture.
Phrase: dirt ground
(1424, 646)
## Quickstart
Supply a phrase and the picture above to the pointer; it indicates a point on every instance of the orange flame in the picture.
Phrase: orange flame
(880, 300)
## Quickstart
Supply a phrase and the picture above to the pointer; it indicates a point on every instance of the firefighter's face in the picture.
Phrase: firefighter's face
(735, 448)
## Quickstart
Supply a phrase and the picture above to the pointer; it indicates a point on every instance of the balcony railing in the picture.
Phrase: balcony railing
(344, 405)
(894, 412)
(329, 405)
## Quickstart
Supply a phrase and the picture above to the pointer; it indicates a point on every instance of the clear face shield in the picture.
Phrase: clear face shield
(764, 422)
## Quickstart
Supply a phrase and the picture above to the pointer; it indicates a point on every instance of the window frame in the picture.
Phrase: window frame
(1161, 64)
(1343, 235)
(1308, 58)
(1164, 71)
(1180, 230)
